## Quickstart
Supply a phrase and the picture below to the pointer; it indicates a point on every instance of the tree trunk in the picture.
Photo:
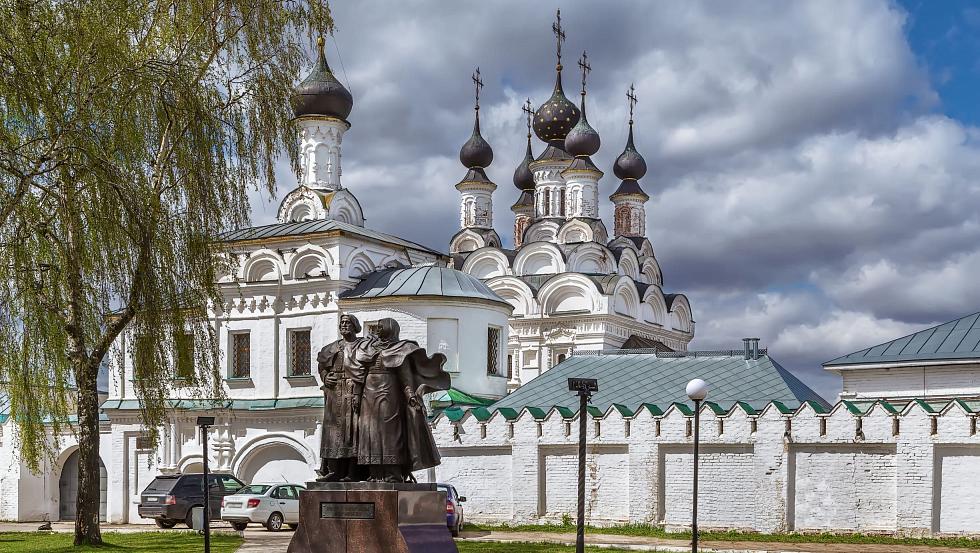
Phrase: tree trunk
(87, 531)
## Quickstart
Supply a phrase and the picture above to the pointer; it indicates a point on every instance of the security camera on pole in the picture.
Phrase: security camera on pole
(697, 390)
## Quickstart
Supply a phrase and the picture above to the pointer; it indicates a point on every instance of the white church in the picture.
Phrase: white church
(512, 322)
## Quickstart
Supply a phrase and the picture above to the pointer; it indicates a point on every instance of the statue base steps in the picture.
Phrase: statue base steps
(371, 517)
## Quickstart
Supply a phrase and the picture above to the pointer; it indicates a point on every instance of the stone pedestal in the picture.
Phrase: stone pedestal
(371, 517)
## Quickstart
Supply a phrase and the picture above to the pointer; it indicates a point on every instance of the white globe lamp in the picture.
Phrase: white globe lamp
(697, 389)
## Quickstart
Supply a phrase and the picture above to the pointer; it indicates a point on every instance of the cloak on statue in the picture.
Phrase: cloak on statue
(392, 427)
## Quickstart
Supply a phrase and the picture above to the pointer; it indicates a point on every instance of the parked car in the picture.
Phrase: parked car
(269, 504)
(170, 498)
(454, 508)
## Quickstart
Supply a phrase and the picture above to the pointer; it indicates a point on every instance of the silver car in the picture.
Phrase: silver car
(272, 505)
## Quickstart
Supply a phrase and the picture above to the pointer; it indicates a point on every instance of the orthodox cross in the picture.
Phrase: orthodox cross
(478, 83)
(631, 96)
(526, 108)
(583, 63)
(559, 35)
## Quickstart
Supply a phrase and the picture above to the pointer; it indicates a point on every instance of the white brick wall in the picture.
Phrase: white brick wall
(800, 471)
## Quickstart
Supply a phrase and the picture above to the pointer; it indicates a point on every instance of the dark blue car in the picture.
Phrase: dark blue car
(454, 508)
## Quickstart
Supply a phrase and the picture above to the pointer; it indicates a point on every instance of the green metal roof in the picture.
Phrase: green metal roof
(959, 339)
(635, 379)
(421, 281)
(314, 227)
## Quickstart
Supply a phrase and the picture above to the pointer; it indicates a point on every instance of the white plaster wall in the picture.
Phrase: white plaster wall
(845, 488)
(492, 499)
(606, 483)
(727, 479)
(961, 380)
(958, 482)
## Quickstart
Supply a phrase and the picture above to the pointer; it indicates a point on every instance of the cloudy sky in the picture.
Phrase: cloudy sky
(812, 164)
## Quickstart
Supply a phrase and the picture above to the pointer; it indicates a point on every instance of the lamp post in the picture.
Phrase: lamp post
(205, 423)
(697, 390)
(585, 387)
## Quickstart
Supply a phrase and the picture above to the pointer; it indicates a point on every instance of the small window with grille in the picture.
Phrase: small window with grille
(241, 349)
(493, 350)
(299, 352)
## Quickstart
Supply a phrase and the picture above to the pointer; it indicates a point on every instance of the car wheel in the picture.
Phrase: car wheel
(239, 526)
(293, 526)
(165, 523)
(455, 531)
(274, 524)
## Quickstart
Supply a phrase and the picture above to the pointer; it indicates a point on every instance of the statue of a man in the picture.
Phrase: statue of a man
(342, 385)
(394, 437)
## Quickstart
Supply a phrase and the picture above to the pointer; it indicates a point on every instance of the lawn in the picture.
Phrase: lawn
(657, 532)
(172, 542)
(479, 547)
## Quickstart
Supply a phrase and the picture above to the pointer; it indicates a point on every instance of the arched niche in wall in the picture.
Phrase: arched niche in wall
(568, 293)
(539, 258)
(515, 292)
(486, 263)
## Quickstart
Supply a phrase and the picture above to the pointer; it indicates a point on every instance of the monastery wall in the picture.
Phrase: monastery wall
(911, 472)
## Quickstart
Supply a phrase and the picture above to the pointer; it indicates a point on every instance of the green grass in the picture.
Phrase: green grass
(482, 547)
(172, 542)
(657, 532)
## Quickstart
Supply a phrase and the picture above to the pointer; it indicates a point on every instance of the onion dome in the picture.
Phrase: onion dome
(630, 164)
(582, 140)
(321, 93)
(523, 178)
(476, 153)
(556, 117)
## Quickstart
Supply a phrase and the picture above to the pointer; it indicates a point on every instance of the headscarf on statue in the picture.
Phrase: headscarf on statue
(418, 371)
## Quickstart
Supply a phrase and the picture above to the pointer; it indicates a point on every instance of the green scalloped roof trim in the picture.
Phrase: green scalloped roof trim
(482, 414)
(595, 412)
(781, 407)
(817, 408)
(854, 409)
(749, 410)
(925, 406)
(454, 414)
(565, 412)
(508, 413)
(888, 407)
(654, 410)
(683, 408)
(717, 409)
(623, 410)
(537, 412)
(963, 405)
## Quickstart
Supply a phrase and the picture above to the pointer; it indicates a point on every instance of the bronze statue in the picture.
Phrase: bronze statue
(342, 385)
(393, 435)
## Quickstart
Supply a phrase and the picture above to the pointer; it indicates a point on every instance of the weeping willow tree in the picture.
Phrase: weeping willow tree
(130, 134)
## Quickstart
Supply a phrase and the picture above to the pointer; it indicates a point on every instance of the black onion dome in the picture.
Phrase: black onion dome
(556, 117)
(630, 164)
(476, 152)
(321, 93)
(523, 177)
(582, 140)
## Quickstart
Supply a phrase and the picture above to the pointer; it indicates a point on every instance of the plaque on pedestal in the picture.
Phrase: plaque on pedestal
(372, 517)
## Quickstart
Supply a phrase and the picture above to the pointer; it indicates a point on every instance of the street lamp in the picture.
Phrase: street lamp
(585, 387)
(204, 423)
(697, 390)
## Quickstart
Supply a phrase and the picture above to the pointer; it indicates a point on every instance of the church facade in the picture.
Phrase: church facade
(572, 284)
(282, 303)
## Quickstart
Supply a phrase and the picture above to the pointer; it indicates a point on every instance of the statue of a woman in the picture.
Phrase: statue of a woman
(343, 381)
(394, 437)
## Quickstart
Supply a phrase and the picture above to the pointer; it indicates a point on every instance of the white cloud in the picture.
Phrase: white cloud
(803, 188)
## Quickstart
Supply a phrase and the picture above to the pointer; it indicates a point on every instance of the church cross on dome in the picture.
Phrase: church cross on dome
(529, 115)
(559, 36)
(631, 96)
(478, 84)
(583, 64)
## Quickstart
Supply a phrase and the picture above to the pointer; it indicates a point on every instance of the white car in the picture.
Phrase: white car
(272, 505)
